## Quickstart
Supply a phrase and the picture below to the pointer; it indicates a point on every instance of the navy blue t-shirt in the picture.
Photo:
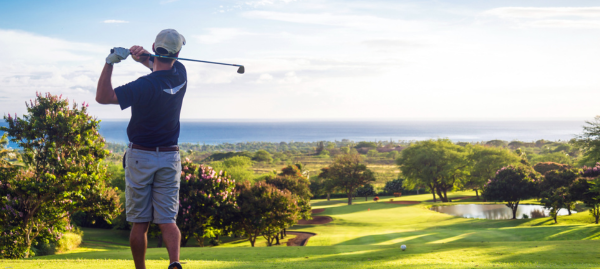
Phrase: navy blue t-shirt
(155, 101)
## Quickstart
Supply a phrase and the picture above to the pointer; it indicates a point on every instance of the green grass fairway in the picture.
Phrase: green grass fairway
(368, 235)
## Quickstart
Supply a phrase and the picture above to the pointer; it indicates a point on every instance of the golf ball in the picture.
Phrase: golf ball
(403, 247)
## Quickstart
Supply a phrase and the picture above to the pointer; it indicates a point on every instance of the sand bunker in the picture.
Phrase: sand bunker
(300, 240)
(317, 211)
(405, 202)
(316, 220)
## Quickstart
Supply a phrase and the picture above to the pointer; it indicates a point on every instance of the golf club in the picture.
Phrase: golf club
(240, 70)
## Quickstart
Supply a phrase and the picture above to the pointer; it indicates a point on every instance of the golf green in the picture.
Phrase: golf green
(368, 234)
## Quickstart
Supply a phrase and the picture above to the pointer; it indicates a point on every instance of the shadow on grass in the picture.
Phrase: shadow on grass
(549, 253)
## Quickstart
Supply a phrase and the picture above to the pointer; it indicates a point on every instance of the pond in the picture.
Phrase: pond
(499, 211)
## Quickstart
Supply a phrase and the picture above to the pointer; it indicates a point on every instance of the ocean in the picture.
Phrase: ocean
(215, 132)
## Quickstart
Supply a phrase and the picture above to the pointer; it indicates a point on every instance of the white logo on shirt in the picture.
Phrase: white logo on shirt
(175, 90)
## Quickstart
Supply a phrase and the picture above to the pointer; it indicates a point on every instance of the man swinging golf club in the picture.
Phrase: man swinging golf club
(152, 161)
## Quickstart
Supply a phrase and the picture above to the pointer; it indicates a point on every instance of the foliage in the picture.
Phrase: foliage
(484, 162)
(557, 157)
(263, 209)
(348, 173)
(206, 197)
(512, 184)
(589, 141)
(291, 179)
(365, 144)
(544, 167)
(218, 156)
(555, 189)
(238, 167)
(592, 198)
(366, 191)
(437, 164)
(8, 157)
(393, 186)
(262, 156)
(62, 151)
(591, 171)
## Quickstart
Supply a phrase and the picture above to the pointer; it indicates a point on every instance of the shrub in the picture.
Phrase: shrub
(393, 186)
(545, 167)
(68, 241)
(62, 152)
(376, 199)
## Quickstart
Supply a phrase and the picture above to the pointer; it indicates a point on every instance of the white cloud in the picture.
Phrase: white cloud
(549, 17)
(544, 12)
(260, 3)
(363, 22)
(264, 78)
(218, 35)
(115, 21)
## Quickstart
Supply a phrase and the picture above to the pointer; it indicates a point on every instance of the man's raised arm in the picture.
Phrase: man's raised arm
(105, 94)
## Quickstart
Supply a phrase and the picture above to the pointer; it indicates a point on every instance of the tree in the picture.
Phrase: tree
(292, 180)
(206, 197)
(348, 173)
(262, 156)
(555, 199)
(544, 167)
(512, 184)
(393, 186)
(558, 183)
(62, 153)
(263, 209)
(485, 161)
(591, 197)
(589, 142)
(366, 191)
(437, 164)
(323, 183)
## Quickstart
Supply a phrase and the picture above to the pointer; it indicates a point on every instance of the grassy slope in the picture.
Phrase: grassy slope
(368, 234)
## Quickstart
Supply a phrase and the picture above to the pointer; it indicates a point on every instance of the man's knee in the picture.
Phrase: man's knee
(168, 226)
(141, 227)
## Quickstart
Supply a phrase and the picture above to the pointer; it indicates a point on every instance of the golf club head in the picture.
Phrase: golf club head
(241, 70)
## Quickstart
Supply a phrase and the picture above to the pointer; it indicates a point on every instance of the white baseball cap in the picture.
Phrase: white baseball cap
(168, 40)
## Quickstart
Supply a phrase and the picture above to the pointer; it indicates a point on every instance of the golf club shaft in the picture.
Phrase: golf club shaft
(175, 58)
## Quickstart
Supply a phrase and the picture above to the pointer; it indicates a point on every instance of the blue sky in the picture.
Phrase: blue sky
(320, 59)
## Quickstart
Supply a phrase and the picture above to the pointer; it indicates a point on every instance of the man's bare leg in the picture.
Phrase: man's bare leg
(172, 239)
(138, 240)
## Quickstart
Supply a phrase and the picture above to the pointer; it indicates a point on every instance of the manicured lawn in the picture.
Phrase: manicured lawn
(368, 235)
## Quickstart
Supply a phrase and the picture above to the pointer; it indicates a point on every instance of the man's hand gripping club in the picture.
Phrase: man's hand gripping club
(116, 55)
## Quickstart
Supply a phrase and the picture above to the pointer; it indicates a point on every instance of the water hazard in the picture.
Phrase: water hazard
(496, 211)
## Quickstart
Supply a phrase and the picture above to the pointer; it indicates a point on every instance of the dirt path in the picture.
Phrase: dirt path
(405, 202)
(316, 220)
(301, 239)
(317, 211)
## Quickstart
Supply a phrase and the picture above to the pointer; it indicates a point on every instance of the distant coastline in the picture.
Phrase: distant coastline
(232, 131)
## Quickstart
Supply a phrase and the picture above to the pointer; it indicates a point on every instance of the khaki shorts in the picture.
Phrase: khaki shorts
(152, 185)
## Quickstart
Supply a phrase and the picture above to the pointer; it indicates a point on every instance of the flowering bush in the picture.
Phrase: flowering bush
(205, 199)
(591, 171)
(376, 199)
(62, 152)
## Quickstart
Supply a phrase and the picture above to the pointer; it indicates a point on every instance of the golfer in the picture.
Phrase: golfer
(152, 161)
